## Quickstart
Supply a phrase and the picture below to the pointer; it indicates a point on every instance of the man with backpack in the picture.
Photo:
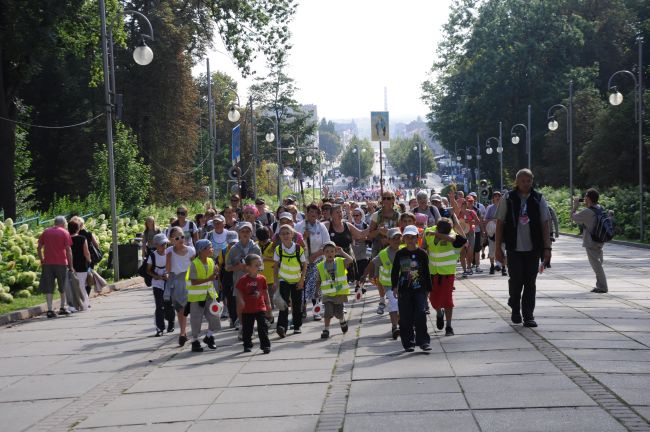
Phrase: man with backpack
(597, 230)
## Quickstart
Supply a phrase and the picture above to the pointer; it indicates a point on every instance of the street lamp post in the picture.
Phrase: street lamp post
(488, 150)
(418, 148)
(269, 137)
(616, 98)
(142, 55)
(358, 150)
(515, 138)
(553, 125)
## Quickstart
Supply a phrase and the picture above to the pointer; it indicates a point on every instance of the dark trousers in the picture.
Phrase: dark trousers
(523, 267)
(164, 310)
(248, 322)
(228, 293)
(289, 291)
(412, 305)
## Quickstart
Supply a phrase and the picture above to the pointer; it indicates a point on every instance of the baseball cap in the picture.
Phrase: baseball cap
(243, 225)
(219, 218)
(436, 197)
(160, 239)
(497, 192)
(410, 230)
(259, 201)
(286, 215)
(202, 245)
(473, 194)
(394, 232)
(290, 198)
(328, 243)
(232, 237)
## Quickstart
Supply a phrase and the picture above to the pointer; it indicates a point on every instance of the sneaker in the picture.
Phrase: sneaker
(497, 267)
(196, 346)
(478, 269)
(440, 319)
(515, 317)
(325, 334)
(395, 333)
(181, 340)
(158, 333)
(64, 311)
(530, 323)
(51, 314)
(297, 331)
(492, 269)
(465, 273)
(599, 290)
(470, 272)
(380, 308)
(317, 317)
(449, 331)
(170, 328)
(266, 350)
(247, 349)
(409, 349)
(344, 326)
(425, 347)
(209, 341)
(504, 272)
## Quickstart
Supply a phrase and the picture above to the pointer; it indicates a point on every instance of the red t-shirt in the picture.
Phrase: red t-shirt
(55, 241)
(253, 291)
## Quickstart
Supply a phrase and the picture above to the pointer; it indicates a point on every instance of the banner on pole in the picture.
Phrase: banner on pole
(236, 146)
(379, 126)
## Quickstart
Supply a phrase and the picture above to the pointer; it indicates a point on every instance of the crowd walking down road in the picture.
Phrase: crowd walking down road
(273, 281)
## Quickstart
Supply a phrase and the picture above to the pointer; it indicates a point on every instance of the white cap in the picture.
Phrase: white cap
(410, 230)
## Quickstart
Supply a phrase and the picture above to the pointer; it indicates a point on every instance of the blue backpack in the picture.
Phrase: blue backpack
(603, 230)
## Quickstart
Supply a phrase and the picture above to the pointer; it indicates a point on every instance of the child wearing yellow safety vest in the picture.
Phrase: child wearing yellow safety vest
(333, 283)
(380, 267)
(443, 248)
(289, 277)
(200, 293)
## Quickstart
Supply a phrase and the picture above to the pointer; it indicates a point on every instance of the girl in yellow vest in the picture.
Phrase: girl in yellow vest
(380, 267)
(443, 250)
(289, 277)
(200, 293)
(333, 283)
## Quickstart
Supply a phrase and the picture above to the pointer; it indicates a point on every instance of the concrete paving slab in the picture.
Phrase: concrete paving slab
(632, 388)
(190, 382)
(10, 366)
(523, 391)
(506, 362)
(52, 386)
(629, 355)
(644, 411)
(17, 416)
(288, 377)
(285, 424)
(171, 399)
(548, 420)
(155, 427)
(270, 408)
(368, 346)
(273, 392)
(381, 422)
(143, 416)
(308, 364)
(484, 342)
(405, 365)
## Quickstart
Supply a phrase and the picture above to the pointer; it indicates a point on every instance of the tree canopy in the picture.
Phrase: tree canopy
(351, 161)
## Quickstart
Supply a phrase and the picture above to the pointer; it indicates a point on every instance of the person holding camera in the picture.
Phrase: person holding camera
(587, 219)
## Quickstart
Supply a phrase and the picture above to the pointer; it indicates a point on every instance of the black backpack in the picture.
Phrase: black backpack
(603, 230)
(142, 271)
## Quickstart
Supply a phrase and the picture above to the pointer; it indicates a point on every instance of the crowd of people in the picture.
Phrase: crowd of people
(240, 263)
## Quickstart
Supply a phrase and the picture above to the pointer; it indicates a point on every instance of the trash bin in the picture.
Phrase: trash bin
(128, 255)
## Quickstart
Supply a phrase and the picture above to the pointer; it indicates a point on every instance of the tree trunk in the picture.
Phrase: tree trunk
(7, 147)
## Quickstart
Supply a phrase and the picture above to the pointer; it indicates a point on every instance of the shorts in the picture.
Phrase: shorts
(176, 291)
(441, 295)
(50, 274)
(392, 301)
(334, 307)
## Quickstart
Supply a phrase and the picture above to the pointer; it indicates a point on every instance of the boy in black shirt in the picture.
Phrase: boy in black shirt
(411, 284)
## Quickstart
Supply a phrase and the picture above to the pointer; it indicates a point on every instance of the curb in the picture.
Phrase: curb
(37, 310)
(618, 242)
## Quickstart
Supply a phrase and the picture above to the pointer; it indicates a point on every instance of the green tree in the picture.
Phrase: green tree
(404, 155)
(328, 140)
(351, 161)
(133, 178)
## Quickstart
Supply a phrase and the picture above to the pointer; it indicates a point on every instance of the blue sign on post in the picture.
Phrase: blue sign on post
(236, 147)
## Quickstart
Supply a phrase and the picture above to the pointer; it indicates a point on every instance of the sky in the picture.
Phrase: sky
(346, 51)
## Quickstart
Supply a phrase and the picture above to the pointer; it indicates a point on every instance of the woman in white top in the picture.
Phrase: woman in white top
(157, 269)
(314, 234)
(179, 257)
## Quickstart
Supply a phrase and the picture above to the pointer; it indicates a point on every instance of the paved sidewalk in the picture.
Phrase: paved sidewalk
(586, 368)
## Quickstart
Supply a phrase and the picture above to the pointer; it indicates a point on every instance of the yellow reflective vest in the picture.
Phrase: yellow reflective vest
(339, 284)
(290, 266)
(442, 256)
(198, 293)
(386, 267)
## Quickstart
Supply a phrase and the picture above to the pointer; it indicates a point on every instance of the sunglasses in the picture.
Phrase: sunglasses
(179, 238)
(181, 213)
(387, 198)
(234, 200)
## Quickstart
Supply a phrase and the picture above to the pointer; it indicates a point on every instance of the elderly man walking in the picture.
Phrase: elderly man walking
(587, 218)
(55, 254)
(523, 225)
(431, 211)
